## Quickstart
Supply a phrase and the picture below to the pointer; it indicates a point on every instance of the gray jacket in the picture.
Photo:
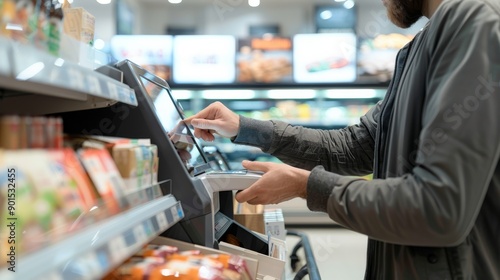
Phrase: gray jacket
(433, 145)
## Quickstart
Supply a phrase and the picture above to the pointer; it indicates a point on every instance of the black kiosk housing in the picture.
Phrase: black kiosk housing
(208, 218)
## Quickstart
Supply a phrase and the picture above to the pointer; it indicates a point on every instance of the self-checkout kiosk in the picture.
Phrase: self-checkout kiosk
(206, 194)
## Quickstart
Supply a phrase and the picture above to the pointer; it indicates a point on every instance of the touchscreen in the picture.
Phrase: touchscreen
(171, 118)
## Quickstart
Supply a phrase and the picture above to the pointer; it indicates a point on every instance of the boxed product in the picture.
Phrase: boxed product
(136, 164)
(106, 178)
(136, 160)
(22, 132)
(44, 197)
(274, 223)
(250, 216)
(78, 36)
(79, 24)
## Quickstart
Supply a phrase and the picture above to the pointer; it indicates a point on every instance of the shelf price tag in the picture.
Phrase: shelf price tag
(76, 79)
(57, 75)
(117, 249)
(127, 96)
(175, 214)
(162, 220)
(93, 85)
(112, 91)
(179, 211)
(4, 56)
(92, 265)
(140, 234)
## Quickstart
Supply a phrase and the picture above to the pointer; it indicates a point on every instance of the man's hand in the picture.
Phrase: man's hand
(214, 119)
(279, 183)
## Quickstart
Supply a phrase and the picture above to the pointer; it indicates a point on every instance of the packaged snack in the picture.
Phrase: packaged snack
(143, 269)
(235, 267)
(162, 251)
(188, 267)
(53, 27)
(80, 178)
(136, 268)
(47, 193)
(106, 178)
(79, 24)
(10, 132)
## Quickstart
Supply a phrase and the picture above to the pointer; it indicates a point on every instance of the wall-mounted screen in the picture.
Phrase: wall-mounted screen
(340, 16)
(264, 60)
(377, 56)
(324, 58)
(152, 52)
(204, 59)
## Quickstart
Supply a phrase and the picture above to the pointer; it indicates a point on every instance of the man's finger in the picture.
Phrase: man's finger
(204, 124)
(244, 195)
(255, 165)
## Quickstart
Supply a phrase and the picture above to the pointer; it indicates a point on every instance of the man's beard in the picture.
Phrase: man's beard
(404, 13)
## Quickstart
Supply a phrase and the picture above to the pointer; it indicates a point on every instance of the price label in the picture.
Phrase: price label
(162, 220)
(57, 75)
(117, 249)
(76, 79)
(140, 234)
(180, 212)
(131, 94)
(92, 265)
(4, 53)
(112, 91)
(93, 85)
(175, 215)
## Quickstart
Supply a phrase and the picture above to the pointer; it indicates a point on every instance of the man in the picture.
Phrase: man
(433, 145)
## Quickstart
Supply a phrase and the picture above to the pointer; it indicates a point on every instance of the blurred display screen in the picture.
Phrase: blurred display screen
(152, 52)
(335, 17)
(204, 59)
(324, 58)
(264, 60)
(377, 56)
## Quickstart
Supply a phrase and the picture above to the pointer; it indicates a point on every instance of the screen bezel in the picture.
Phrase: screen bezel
(143, 73)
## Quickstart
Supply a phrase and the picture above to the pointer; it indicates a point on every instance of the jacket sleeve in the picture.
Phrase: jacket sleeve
(437, 203)
(346, 151)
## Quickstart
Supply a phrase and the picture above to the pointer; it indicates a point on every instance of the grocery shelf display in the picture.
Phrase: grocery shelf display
(57, 225)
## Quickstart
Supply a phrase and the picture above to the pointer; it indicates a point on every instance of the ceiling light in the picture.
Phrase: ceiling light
(174, 1)
(104, 2)
(348, 4)
(99, 44)
(253, 3)
(326, 14)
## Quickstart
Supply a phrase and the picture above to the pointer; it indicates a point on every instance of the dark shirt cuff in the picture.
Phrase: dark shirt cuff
(319, 188)
(254, 133)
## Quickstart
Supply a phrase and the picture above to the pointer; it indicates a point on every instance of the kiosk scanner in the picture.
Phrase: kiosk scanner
(204, 192)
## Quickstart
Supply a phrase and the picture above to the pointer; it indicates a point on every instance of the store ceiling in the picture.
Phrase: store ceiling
(237, 2)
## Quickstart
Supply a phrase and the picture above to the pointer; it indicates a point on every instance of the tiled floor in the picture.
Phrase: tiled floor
(339, 253)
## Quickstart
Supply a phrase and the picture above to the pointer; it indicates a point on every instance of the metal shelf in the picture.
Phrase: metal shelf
(36, 82)
(95, 250)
